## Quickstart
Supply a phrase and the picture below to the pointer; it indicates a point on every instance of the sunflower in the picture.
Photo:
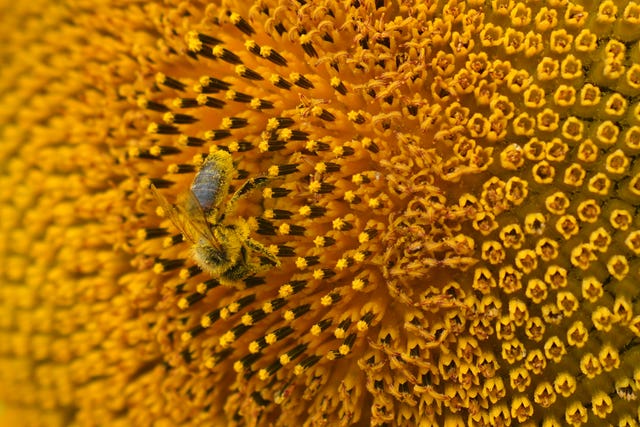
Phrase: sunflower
(412, 213)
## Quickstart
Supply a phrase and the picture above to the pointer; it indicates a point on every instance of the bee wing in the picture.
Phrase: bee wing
(191, 208)
(175, 214)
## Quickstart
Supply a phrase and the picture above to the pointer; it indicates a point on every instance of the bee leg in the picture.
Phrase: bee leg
(250, 184)
(261, 249)
(241, 270)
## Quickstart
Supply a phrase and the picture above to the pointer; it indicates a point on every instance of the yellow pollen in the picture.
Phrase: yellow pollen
(227, 339)
(273, 171)
(285, 291)
(349, 196)
(263, 374)
(284, 229)
(254, 347)
(358, 284)
(247, 320)
(314, 186)
(338, 223)
(284, 359)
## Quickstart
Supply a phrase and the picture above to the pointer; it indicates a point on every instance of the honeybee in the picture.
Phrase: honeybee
(221, 244)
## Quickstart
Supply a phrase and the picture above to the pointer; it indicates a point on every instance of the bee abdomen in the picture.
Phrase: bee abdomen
(211, 184)
(206, 186)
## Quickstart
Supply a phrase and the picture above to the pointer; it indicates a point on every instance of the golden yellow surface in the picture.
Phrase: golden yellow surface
(451, 194)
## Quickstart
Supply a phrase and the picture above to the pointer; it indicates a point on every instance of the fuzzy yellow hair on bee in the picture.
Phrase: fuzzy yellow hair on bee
(220, 240)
